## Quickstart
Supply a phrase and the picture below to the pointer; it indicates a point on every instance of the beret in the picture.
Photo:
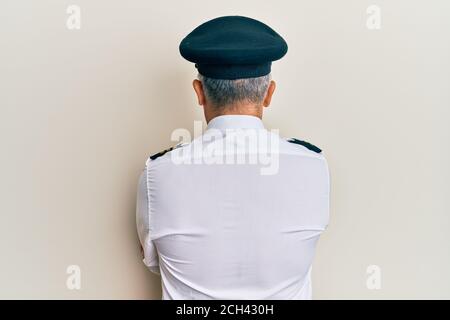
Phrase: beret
(233, 47)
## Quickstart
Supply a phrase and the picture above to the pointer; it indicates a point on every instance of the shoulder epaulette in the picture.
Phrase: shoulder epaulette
(161, 153)
(305, 144)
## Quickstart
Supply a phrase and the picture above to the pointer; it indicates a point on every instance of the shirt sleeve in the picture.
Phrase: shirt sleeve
(151, 259)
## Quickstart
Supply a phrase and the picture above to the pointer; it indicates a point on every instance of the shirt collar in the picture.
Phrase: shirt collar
(235, 121)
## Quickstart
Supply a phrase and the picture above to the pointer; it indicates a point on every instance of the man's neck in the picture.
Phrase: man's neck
(248, 109)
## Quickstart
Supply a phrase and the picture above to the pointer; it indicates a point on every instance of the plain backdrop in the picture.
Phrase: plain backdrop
(81, 110)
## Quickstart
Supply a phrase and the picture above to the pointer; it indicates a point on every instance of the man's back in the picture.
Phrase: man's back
(225, 230)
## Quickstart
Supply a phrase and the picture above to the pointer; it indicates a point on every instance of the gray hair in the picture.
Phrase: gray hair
(222, 93)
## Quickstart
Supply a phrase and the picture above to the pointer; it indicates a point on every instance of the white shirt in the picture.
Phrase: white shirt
(227, 230)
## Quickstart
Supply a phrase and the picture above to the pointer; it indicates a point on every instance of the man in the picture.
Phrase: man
(213, 222)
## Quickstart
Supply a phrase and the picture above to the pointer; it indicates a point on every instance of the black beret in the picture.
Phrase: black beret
(233, 47)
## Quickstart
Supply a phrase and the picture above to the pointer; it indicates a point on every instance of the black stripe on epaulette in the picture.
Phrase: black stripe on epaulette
(161, 153)
(306, 144)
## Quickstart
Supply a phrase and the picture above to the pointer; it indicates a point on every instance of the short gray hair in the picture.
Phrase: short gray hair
(222, 92)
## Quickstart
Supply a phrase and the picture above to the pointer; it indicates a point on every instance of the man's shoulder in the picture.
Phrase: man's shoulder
(305, 144)
(290, 146)
(300, 147)
(164, 153)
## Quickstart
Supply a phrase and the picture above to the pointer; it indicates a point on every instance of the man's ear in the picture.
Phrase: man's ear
(198, 88)
(269, 94)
